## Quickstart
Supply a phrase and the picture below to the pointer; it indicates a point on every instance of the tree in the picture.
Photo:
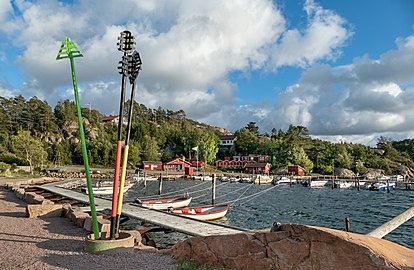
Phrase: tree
(149, 149)
(29, 148)
(208, 147)
(247, 142)
(253, 128)
(299, 157)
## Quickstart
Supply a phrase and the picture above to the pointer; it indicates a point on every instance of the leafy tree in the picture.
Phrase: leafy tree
(299, 157)
(208, 147)
(253, 128)
(149, 149)
(30, 149)
(246, 142)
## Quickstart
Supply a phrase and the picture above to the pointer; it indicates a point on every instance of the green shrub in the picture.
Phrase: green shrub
(4, 168)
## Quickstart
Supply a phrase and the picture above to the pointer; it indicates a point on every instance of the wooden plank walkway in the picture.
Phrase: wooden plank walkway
(163, 219)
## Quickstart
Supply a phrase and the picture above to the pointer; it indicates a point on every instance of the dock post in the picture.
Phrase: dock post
(333, 183)
(145, 179)
(160, 185)
(388, 186)
(213, 189)
(290, 181)
(358, 184)
(347, 224)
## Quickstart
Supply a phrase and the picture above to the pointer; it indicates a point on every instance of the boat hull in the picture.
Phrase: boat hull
(164, 204)
(105, 190)
(315, 183)
(212, 212)
(382, 186)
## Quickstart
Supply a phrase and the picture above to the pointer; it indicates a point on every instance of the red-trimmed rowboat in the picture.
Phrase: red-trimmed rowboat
(164, 204)
(211, 212)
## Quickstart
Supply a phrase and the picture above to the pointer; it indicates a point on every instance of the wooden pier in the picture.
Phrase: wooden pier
(163, 219)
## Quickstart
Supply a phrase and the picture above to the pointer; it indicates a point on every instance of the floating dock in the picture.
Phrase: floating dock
(163, 219)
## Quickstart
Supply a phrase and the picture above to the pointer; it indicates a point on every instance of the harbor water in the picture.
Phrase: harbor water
(256, 207)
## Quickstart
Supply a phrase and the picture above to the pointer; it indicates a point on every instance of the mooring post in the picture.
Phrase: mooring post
(160, 185)
(333, 183)
(145, 179)
(388, 186)
(290, 181)
(347, 224)
(213, 189)
(358, 184)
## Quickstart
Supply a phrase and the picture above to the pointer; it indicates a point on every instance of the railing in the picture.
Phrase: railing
(394, 223)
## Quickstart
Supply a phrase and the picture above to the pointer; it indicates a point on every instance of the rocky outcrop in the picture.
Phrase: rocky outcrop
(345, 173)
(295, 247)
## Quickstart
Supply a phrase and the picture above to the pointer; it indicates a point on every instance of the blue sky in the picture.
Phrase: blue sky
(344, 69)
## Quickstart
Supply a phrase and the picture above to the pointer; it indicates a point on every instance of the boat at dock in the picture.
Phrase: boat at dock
(203, 177)
(315, 182)
(164, 204)
(211, 212)
(283, 180)
(382, 186)
(263, 179)
(145, 178)
(343, 184)
(105, 188)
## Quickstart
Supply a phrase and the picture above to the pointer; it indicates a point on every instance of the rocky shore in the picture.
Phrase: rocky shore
(50, 242)
(35, 236)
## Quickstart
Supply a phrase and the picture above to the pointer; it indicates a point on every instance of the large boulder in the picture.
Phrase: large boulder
(346, 173)
(295, 247)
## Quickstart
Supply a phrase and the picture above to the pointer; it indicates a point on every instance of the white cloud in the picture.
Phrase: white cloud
(369, 96)
(189, 48)
(325, 34)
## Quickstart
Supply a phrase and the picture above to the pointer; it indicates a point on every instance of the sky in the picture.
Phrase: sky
(343, 69)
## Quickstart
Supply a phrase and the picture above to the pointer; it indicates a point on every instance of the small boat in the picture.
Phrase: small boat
(382, 186)
(105, 189)
(145, 178)
(283, 180)
(263, 179)
(203, 177)
(343, 184)
(315, 182)
(211, 212)
(224, 179)
(245, 180)
(164, 204)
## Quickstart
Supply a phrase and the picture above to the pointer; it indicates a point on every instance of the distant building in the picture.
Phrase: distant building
(240, 162)
(296, 170)
(113, 119)
(227, 140)
(196, 163)
(152, 165)
(177, 164)
(258, 167)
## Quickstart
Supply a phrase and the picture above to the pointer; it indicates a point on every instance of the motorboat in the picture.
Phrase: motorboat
(343, 184)
(263, 179)
(315, 182)
(283, 180)
(382, 186)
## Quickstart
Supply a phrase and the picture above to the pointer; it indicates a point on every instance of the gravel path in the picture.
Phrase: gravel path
(56, 243)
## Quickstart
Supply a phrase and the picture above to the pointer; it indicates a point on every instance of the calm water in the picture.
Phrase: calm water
(258, 206)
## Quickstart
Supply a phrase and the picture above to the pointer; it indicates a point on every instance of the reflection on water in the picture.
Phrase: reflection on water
(297, 204)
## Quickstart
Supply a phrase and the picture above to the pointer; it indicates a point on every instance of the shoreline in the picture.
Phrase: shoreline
(57, 243)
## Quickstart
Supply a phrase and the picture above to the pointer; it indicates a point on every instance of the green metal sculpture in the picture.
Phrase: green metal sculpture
(69, 50)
